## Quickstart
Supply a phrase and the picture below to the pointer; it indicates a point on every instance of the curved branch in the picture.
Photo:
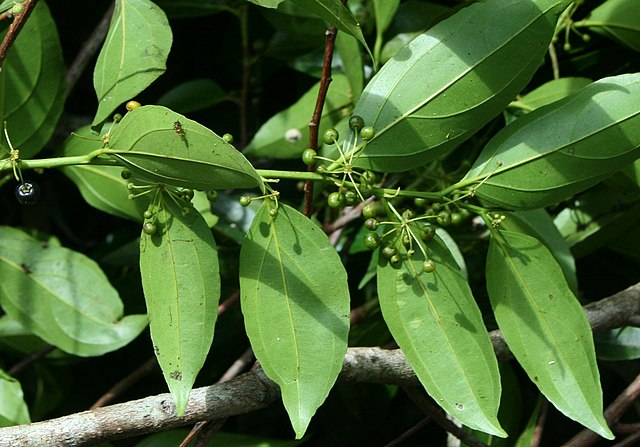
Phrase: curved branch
(254, 390)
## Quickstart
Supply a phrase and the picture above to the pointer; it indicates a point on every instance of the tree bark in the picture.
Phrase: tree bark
(253, 390)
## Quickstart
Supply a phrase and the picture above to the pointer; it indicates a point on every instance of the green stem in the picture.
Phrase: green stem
(289, 175)
(48, 163)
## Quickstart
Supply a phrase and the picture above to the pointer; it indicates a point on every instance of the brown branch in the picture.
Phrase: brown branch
(89, 49)
(126, 383)
(407, 434)
(22, 364)
(254, 390)
(15, 27)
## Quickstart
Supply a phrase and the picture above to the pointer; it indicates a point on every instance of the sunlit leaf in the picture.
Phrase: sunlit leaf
(619, 19)
(450, 81)
(545, 326)
(62, 296)
(295, 302)
(435, 320)
(181, 282)
(561, 149)
(133, 55)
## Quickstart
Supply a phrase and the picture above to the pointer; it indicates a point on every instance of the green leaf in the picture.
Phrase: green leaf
(33, 84)
(334, 12)
(618, 344)
(133, 55)
(526, 438)
(554, 90)
(101, 186)
(352, 64)
(619, 19)
(561, 149)
(295, 302)
(453, 79)
(435, 320)
(181, 283)
(13, 409)
(267, 3)
(62, 296)
(192, 96)
(539, 224)
(183, 9)
(147, 142)
(545, 327)
(286, 135)
(384, 12)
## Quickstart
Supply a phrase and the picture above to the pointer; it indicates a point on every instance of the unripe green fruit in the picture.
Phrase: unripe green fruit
(132, 105)
(456, 218)
(335, 200)
(273, 212)
(420, 202)
(367, 133)
(395, 261)
(408, 214)
(370, 210)
(427, 232)
(371, 224)
(309, 156)
(428, 266)
(228, 138)
(245, 200)
(148, 214)
(330, 136)
(444, 218)
(356, 122)
(388, 251)
(117, 117)
(126, 174)
(187, 194)
(212, 196)
(17, 9)
(369, 177)
(350, 198)
(320, 169)
(149, 228)
(371, 241)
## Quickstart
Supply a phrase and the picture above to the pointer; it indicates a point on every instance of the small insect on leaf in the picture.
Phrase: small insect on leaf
(177, 126)
(25, 268)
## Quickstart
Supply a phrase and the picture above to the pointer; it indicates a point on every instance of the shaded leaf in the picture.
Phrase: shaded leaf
(526, 438)
(295, 302)
(133, 55)
(101, 186)
(181, 283)
(286, 135)
(182, 9)
(384, 12)
(477, 61)
(13, 409)
(554, 90)
(352, 64)
(618, 344)
(33, 84)
(267, 3)
(545, 326)
(62, 296)
(619, 19)
(561, 149)
(435, 320)
(147, 142)
(192, 96)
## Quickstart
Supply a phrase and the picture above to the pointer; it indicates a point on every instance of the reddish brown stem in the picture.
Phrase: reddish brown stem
(20, 366)
(15, 27)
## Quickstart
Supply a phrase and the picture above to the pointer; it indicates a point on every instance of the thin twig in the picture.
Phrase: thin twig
(89, 49)
(555, 65)
(22, 364)
(126, 383)
(15, 27)
(407, 434)
(542, 418)
(629, 441)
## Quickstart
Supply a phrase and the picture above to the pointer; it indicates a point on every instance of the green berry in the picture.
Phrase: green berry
(17, 9)
(371, 224)
(428, 266)
(330, 136)
(149, 228)
(117, 117)
(273, 212)
(356, 122)
(427, 232)
(126, 174)
(309, 157)
(370, 210)
(406, 240)
(444, 218)
(245, 200)
(148, 214)
(350, 198)
(367, 133)
(320, 169)
(187, 194)
(212, 196)
(420, 202)
(456, 218)
(395, 261)
(227, 137)
(408, 214)
(388, 251)
(335, 200)
(369, 177)
(371, 241)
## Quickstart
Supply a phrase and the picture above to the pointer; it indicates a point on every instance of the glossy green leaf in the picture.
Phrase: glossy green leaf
(352, 64)
(435, 320)
(147, 142)
(101, 186)
(33, 83)
(286, 135)
(453, 79)
(181, 283)
(267, 3)
(295, 302)
(337, 14)
(561, 149)
(13, 409)
(62, 296)
(539, 224)
(545, 326)
(618, 344)
(553, 90)
(133, 55)
(192, 96)
(620, 19)
(384, 11)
